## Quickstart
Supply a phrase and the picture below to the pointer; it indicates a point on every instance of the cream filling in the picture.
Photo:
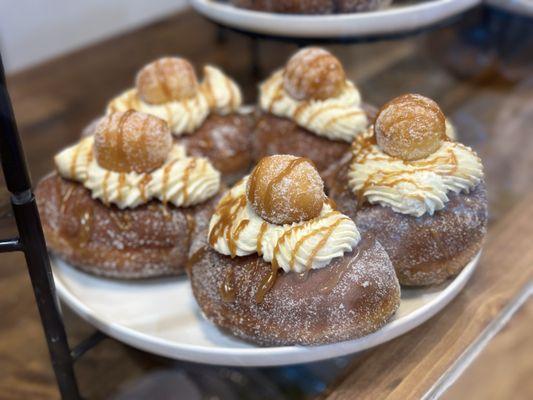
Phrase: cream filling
(236, 230)
(412, 187)
(338, 118)
(181, 180)
(217, 93)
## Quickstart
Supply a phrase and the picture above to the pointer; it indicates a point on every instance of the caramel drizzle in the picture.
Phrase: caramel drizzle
(105, 195)
(227, 289)
(275, 181)
(191, 226)
(195, 258)
(232, 243)
(336, 276)
(262, 231)
(362, 149)
(337, 118)
(65, 198)
(122, 219)
(121, 184)
(186, 177)
(328, 231)
(166, 176)
(278, 95)
(227, 211)
(143, 184)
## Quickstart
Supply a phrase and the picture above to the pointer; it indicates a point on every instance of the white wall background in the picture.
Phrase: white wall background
(32, 31)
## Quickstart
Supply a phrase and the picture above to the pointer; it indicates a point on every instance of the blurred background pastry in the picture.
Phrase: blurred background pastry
(204, 116)
(127, 201)
(312, 6)
(310, 109)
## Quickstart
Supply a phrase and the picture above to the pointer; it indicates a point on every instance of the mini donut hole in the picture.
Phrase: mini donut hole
(284, 189)
(410, 127)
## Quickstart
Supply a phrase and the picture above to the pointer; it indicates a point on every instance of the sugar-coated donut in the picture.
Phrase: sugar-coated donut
(353, 296)
(147, 241)
(426, 250)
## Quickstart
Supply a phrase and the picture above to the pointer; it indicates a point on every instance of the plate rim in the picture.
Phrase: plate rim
(265, 356)
(406, 18)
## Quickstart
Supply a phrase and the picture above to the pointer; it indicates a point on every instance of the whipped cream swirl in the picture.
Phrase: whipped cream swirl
(236, 230)
(412, 187)
(181, 180)
(217, 93)
(337, 118)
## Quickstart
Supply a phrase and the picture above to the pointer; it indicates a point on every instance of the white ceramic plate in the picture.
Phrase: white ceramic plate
(522, 7)
(162, 317)
(398, 18)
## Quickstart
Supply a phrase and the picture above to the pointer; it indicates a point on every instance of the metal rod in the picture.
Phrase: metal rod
(7, 245)
(33, 244)
(87, 344)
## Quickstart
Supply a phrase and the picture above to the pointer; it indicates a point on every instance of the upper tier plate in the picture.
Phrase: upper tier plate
(397, 19)
(162, 317)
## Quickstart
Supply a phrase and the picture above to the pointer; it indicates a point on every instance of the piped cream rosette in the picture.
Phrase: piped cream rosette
(235, 229)
(337, 118)
(412, 187)
(217, 93)
(181, 180)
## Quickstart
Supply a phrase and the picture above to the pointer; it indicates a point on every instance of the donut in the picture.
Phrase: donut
(354, 296)
(427, 250)
(226, 141)
(274, 135)
(148, 241)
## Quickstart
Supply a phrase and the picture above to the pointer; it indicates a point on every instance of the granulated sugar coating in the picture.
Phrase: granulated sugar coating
(226, 141)
(131, 141)
(410, 127)
(352, 297)
(313, 73)
(428, 249)
(283, 189)
(149, 240)
(167, 79)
